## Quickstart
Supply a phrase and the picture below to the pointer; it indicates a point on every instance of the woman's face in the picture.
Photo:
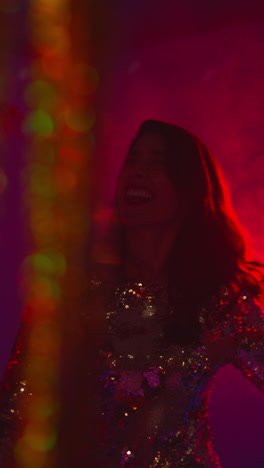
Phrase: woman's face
(145, 195)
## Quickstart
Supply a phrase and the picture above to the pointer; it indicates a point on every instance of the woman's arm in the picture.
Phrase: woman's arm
(248, 331)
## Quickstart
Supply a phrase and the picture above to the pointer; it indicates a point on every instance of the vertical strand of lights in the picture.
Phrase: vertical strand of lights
(56, 179)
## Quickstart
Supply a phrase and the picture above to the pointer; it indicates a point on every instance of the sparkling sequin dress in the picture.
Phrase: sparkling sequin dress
(154, 395)
(15, 394)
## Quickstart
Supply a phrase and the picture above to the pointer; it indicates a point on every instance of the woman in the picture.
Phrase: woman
(184, 301)
(180, 301)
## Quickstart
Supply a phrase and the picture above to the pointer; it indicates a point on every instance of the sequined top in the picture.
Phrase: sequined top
(15, 394)
(153, 395)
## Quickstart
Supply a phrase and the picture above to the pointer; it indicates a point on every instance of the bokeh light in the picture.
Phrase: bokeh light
(53, 263)
(80, 121)
(39, 122)
(36, 438)
(27, 456)
(54, 36)
(45, 287)
(41, 181)
(43, 365)
(66, 180)
(46, 339)
(40, 93)
(58, 124)
(46, 307)
(52, 66)
(42, 407)
(71, 155)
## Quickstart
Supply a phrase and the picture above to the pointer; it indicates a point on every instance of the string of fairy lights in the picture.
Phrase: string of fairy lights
(59, 124)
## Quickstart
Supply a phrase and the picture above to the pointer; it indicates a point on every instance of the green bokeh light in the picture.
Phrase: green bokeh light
(40, 441)
(47, 263)
(38, 122)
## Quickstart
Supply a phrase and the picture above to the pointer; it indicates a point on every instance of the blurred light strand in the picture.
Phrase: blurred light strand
(58, 124)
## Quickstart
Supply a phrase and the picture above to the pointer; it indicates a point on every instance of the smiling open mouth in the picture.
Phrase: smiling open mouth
(138, 195)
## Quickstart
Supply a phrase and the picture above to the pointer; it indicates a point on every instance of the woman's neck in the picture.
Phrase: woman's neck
(147, 252)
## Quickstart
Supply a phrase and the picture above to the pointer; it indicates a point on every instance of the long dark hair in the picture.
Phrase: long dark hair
(212, 249)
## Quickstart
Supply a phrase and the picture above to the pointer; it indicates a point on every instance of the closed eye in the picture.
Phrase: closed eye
(158, 160)
(157, 157)
(130, 159)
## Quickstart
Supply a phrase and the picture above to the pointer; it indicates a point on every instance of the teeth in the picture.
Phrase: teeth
(138, 192)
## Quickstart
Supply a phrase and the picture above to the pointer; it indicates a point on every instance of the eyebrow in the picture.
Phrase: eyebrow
(133, 152)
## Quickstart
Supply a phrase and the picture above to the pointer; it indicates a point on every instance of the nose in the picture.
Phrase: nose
(138, 169)
(137, 173)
